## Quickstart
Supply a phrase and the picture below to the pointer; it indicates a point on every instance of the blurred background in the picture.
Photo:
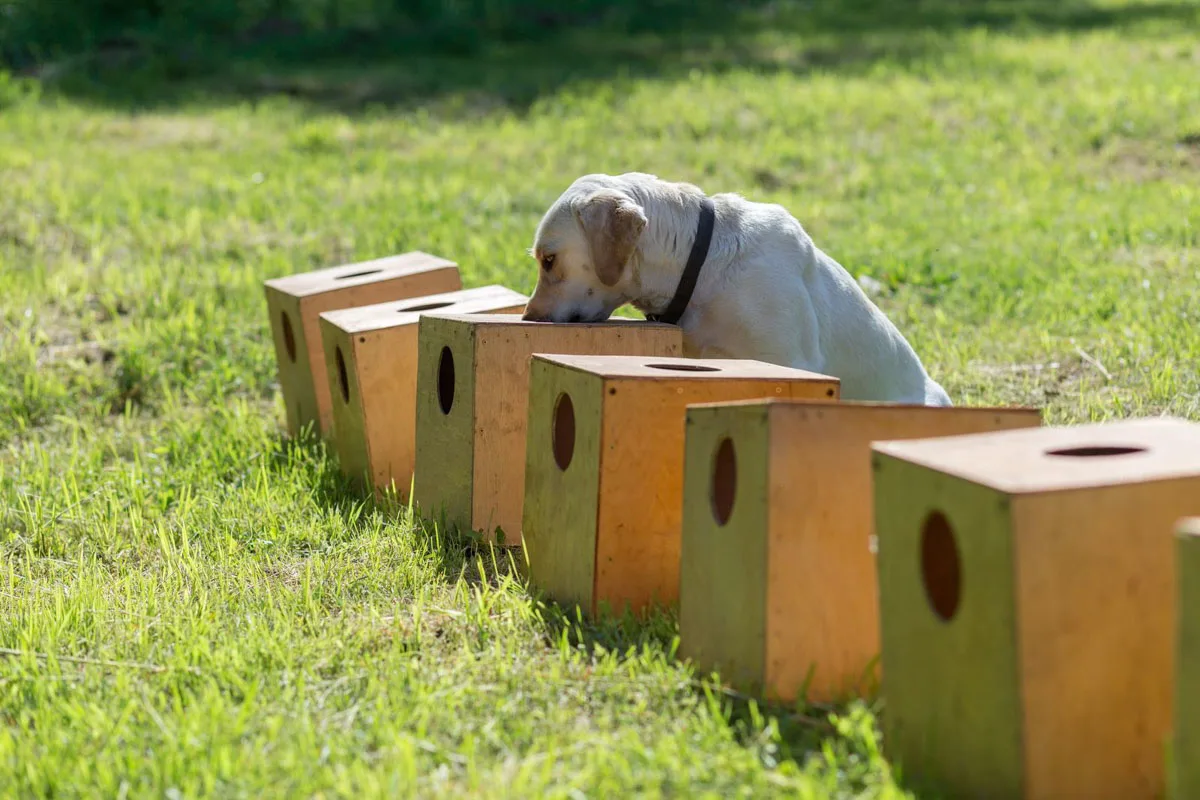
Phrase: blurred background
(174, 39)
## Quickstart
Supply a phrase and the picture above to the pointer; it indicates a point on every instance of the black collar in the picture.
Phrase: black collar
(691, 272)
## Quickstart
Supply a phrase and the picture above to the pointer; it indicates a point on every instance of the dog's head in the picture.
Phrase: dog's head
(583, 246)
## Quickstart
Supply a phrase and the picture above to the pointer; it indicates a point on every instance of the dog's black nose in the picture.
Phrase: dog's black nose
(576, 317)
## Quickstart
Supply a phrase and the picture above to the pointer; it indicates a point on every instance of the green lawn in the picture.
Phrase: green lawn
(192, 605)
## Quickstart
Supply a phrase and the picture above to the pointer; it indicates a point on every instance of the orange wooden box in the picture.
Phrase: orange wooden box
(472, 391)
(295, 302)
(371, 360)
(1028, 595)
(1185, 756)
(604, 468)
(777, 587)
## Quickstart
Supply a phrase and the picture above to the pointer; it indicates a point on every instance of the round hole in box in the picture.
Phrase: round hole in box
(360, 274)
(941, 571)
(289, 338)
(724, 481)
(684, 367)
(343, 380)
(426, 307)
(1095, 451)
(445, 383)
(562, 438)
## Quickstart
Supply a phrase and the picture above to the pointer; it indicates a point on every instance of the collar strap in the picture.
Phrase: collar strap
(691, 272)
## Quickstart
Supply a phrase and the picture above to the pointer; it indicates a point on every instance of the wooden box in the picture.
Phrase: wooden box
(295, 302)
(777, 587)
(604, 470)
(1185, 755)
(472, 390)
(1027, 596)
(371, 362)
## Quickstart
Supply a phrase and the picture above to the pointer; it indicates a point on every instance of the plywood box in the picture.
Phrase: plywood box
(778, 590)
(371, 362)
(1027, 593)
(295, 303)
(472, 391)
(604, 469)
(1185, 755)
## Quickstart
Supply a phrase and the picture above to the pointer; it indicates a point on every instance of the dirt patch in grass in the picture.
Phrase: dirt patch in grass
(29, 234)
(1035, 383)
(162, 130)
(1143, 161)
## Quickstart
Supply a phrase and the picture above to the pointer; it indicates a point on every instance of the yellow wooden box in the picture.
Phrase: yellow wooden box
(778, 589)
(295, 302)
(1027, 596)
(604, 468)
(371, 361)
(472, 394)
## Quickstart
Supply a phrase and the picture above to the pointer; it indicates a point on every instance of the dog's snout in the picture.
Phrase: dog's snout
(538, 316)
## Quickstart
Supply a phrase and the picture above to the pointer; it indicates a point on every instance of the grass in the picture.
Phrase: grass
(192, 605)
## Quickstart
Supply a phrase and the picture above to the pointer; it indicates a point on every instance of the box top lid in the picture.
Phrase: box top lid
(791, 405)
(669, 368)
(483, 320)
(379, 316)
(358, 274)
(1062, 457)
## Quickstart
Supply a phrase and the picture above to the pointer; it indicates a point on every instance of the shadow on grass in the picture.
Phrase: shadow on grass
(799, 731)
(801, 727)
(352, 71)
(456, 556)
(331, 488)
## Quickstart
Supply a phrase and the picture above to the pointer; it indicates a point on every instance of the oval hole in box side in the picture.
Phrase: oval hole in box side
(445, 383)
(723, 490)
(941, 568)
(563, 435)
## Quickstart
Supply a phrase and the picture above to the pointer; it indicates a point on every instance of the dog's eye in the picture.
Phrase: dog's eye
(547, 263)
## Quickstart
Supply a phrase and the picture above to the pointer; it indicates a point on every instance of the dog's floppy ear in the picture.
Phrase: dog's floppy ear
(612, 224)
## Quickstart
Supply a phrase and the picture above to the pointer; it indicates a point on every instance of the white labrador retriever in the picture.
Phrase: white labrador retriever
(742, 279)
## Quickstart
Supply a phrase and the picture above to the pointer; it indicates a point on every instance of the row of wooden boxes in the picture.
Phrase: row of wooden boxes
(1015, 590)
